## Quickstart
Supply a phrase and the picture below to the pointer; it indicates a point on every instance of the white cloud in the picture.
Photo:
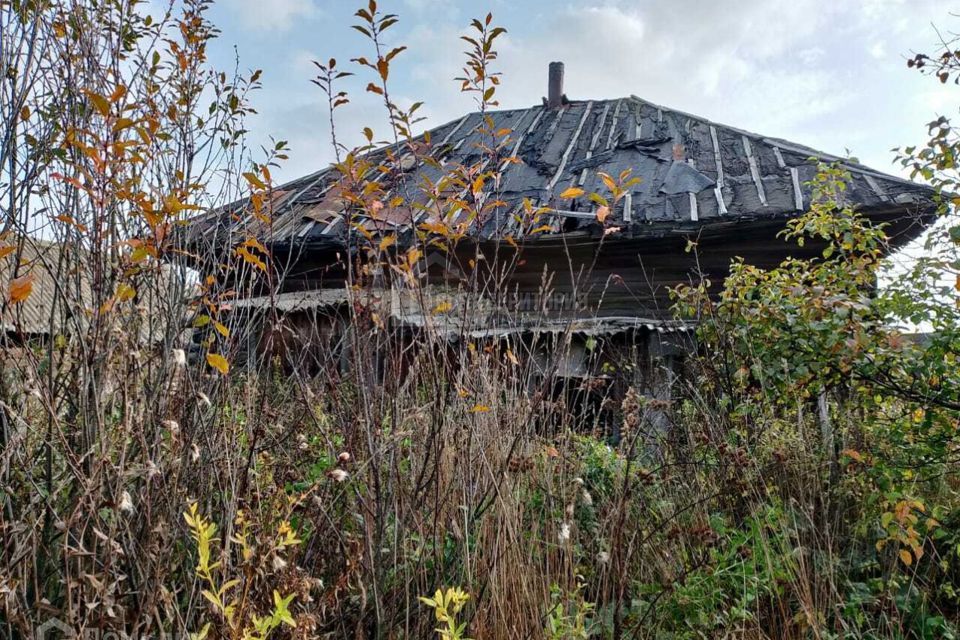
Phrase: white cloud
(811, 55)
(271, 15)
(826, 74)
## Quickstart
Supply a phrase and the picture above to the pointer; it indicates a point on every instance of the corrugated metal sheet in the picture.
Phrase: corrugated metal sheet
(693, 172)
(62, 299)
(55, 301)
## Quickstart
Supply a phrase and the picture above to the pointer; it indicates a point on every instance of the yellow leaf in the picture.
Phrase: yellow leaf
(21, 288)
(122, 123)
(125, 292)
(212, 598)
(607, 180)
(256, 244)
(477, 186)
(387, 241)
(437, 228)
(906, 557)
(218, 362)
(571, 193)
(245, 253)
(254, 180)
(443, 307)
(99, 103)
(221, 329)
(480, 408)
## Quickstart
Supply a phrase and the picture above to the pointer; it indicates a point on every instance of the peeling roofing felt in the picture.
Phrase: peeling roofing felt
(692, 172)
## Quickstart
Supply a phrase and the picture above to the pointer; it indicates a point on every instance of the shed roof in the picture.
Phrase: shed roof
(693, 172)
(60, 291)
(62, 299)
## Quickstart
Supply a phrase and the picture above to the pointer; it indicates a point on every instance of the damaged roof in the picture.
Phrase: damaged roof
(693, 173)
(473, 316)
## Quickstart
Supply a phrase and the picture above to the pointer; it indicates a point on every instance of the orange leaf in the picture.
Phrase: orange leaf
(480, 408)
(602, 213)
(118, 93)
(571, 193)
(6, 250)
(218, 362)
(906, 557)
(21, 288)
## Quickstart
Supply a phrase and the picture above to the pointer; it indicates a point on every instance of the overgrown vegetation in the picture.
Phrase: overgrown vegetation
(799, 483)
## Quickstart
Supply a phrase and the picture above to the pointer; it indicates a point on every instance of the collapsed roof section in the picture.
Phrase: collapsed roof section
(693, 174)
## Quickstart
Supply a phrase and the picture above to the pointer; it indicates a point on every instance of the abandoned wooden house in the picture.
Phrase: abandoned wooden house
(728, 189)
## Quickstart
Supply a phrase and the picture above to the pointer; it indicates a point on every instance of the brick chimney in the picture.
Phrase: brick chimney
(555, 97)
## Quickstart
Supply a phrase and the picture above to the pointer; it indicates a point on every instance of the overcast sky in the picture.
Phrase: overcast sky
(828, 74)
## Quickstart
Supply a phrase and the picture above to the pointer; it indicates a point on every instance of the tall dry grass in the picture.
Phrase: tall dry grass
(402, 459)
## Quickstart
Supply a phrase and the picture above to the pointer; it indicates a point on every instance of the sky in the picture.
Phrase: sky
(827, 74)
